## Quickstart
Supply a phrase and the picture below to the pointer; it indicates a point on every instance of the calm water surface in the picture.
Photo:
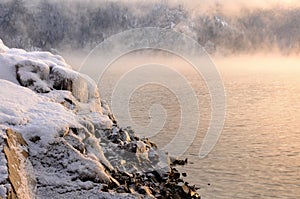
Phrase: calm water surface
(258, 153)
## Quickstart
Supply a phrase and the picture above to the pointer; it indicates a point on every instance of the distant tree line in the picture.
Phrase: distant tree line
(47, 24)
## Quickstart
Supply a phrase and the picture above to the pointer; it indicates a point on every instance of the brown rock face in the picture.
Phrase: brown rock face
(16, 155)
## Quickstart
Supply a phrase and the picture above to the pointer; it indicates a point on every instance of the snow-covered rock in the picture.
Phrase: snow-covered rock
(49, 105)
(43, 72)
(59, 140)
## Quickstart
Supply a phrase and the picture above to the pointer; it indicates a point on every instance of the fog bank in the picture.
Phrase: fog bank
(222, 27)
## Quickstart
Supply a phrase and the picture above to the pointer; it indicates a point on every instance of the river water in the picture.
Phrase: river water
(258, 152)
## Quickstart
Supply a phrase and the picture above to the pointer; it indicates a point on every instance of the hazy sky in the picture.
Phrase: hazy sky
(201, 2)
(228, 6)
(236, 4)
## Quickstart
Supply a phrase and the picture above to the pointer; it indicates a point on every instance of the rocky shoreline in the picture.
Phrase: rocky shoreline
(149, 182)
(58, 139)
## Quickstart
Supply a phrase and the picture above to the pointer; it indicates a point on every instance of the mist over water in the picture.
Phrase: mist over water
(257, 155)
(255, 46)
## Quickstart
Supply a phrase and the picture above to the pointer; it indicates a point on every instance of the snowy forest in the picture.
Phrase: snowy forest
(61, 25)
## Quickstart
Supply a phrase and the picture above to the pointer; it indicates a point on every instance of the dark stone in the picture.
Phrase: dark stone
(144, 190)
(179, 162)
(69, 101)
(104, 188)
(34, 139)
